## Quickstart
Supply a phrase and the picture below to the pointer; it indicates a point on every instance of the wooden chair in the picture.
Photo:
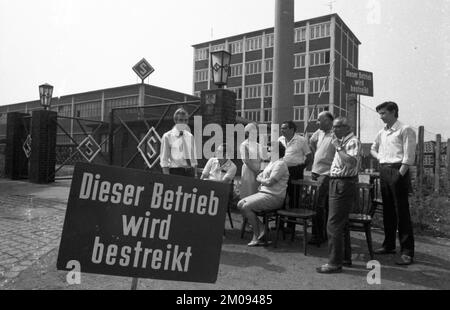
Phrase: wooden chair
(361, 215)
(267, 217)
(376, 195)
(303, 211)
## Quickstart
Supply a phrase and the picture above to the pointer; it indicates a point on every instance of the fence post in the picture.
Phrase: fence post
(437, 161)
(448, 162)
(420, 159)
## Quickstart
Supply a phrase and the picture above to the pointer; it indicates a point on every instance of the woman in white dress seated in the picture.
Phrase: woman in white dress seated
(270, 195)
(220, 168)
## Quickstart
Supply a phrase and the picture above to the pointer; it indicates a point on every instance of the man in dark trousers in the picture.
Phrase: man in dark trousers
(343, 188)
(395, 147)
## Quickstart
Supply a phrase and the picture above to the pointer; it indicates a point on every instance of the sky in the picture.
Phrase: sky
(84, 45)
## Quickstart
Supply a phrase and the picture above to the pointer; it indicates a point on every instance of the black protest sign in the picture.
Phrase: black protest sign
(132, 223)
(358, 82)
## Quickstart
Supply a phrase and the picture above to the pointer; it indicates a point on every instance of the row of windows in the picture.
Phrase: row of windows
(299, 114)
(255, 67)
(315, 59)
(256, 43)
(315, 86)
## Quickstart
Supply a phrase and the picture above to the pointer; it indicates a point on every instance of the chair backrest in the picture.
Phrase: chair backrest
(363, 200)
(306, 193)
(376, 190)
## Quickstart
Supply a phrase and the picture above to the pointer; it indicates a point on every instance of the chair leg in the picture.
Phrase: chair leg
(244, 223)
(266, 227)
(292, 232)
(278, 224)
(230, 218)
(368, 229)
(305, 235)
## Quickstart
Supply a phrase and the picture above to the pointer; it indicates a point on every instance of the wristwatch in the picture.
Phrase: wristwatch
(339, 148)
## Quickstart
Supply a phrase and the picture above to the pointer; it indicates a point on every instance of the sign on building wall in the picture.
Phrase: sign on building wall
(132, 223)
(359, 82)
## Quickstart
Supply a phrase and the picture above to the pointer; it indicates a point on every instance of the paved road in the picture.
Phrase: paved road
(31, 218)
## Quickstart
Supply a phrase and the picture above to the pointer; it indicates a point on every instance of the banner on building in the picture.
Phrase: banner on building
(133, 223)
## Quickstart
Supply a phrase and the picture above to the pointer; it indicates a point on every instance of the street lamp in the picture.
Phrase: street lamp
(45, 93)
(220, 66)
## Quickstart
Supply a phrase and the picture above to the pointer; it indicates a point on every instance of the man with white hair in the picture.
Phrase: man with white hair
(177, 148)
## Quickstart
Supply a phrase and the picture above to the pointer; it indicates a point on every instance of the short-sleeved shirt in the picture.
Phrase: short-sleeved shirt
(296, 150)
(325, 151)
(176, 147)
(352, 147)
(278, 170)
(216, 172)
(396, 145)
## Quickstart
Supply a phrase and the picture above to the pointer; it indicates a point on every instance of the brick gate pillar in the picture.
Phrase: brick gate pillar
(43, 146)
(16, 162)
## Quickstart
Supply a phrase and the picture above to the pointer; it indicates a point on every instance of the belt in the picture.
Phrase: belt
(391, 165)
(344, 178)
(182, 168)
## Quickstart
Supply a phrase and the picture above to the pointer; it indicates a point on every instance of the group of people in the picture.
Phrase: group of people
(335, 153)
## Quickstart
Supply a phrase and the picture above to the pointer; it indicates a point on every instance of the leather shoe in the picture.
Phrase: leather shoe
(383, 251)
(329, 269)
(404, 260)
(347, 263)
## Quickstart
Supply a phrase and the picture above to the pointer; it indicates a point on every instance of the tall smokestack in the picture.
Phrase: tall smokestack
(283, 62)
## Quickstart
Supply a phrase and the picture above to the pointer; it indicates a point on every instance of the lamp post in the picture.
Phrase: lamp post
(45, 94)
(220, 66)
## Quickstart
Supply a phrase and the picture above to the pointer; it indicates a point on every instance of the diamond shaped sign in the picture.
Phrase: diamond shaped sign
(27, 146)
(143, 69)
(89, 148)
(149, 147)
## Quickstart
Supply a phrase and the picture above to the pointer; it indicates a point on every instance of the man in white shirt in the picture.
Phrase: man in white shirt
(177, 148)
(395, 147)
(324, 151)
(297, 155)
(220, 168)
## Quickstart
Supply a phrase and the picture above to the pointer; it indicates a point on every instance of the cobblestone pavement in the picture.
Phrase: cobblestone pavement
(30, 227)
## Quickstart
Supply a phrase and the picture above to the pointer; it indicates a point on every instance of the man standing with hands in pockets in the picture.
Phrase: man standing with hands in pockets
(395, 147)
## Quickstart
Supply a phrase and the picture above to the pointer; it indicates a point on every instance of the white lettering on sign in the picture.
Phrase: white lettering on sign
(139, 257)
(184, 202)
(103, 191)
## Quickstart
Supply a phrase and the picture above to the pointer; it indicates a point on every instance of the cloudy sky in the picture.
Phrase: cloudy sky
(83, 45)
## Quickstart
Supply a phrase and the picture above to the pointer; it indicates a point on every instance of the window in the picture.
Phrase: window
(236, 47)
(267, 115)
(320, 31)
(300, 34)
(253, 115)
(268, 89)
(202, 54)
(218, 47)
(268, 65)
(300, 61)
(252, 92)
(86, 110)
(253, 67)
(319, 58)
(270, 40)
(197, 94)
(64, 110)
(253, 44)
(316, 85)
(120, 102)
(314, 112)
(237, 91)
(299, 87)
(201, 75)
(236, 70)
(299, 114)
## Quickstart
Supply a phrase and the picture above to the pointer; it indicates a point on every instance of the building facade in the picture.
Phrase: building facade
(323, 48)
(96, 105)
